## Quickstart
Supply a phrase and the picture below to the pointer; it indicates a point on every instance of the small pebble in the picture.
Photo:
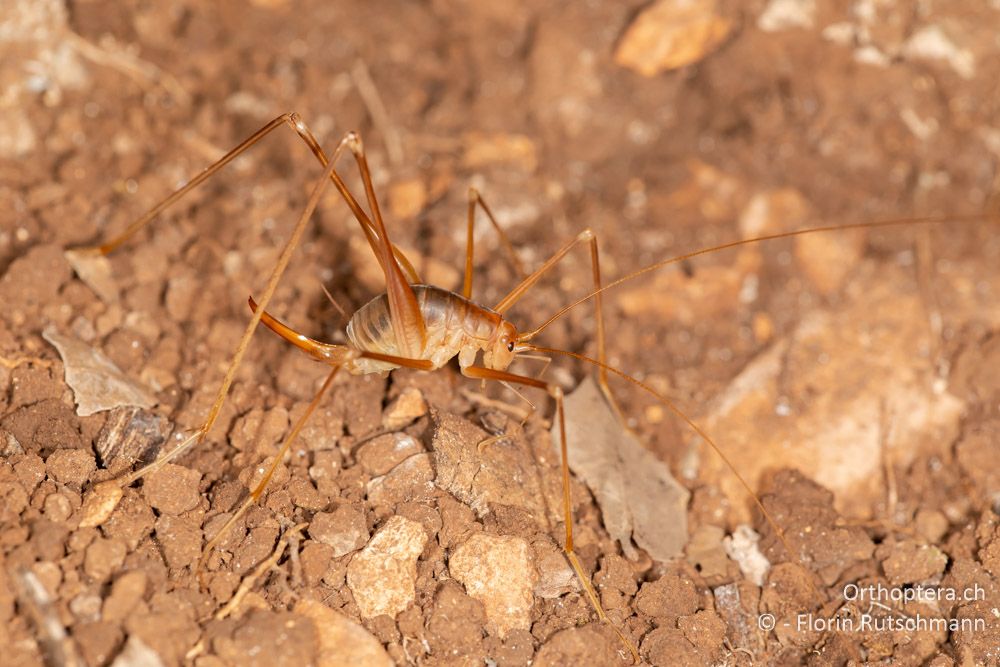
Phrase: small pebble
(49, 575)
(344, 529)
(667, 35)
(382, 576)
(99, 503)
(383, 453)
(498, 571)
(413, 479)
(406, 408)
(57, 507)
(86, 607)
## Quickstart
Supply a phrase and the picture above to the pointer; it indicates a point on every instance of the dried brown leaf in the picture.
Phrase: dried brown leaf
(96, 382)
(639, 498)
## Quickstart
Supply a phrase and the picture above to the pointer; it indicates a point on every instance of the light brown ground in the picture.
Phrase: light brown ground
(838, 357)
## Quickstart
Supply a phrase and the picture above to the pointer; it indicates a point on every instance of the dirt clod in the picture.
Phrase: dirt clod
(578, 646)
(668, 646)
(180, 538)
(70, 466)
(669, 597)
(126, 592)
(456, 621)
(103, 557)
(172, 489)
(910, 562)
(269, 638)
(812, 526)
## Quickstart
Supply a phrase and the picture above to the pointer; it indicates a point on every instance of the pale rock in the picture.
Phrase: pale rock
(787, 14)
(742, 546)
(816, 399)
(382, 576)
(99, 503)
(498, 571)
(932, 43)
(406, 408)
(137, 653)
(17, 135)
(342, 642)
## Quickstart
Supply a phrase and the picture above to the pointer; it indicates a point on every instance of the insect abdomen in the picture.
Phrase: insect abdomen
(452, 322)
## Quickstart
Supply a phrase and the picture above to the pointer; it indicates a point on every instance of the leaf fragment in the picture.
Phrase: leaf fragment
(96, 382)
(639, 498)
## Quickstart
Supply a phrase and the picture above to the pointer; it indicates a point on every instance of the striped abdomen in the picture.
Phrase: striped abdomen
(454, 325)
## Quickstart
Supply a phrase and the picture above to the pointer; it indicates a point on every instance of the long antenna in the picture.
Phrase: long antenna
(974, 217)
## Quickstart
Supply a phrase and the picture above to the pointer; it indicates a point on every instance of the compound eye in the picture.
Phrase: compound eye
(510, 346)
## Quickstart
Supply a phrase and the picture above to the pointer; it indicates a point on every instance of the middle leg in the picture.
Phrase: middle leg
(475, 199)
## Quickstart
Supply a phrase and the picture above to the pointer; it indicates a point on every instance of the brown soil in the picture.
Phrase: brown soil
(851, 379)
